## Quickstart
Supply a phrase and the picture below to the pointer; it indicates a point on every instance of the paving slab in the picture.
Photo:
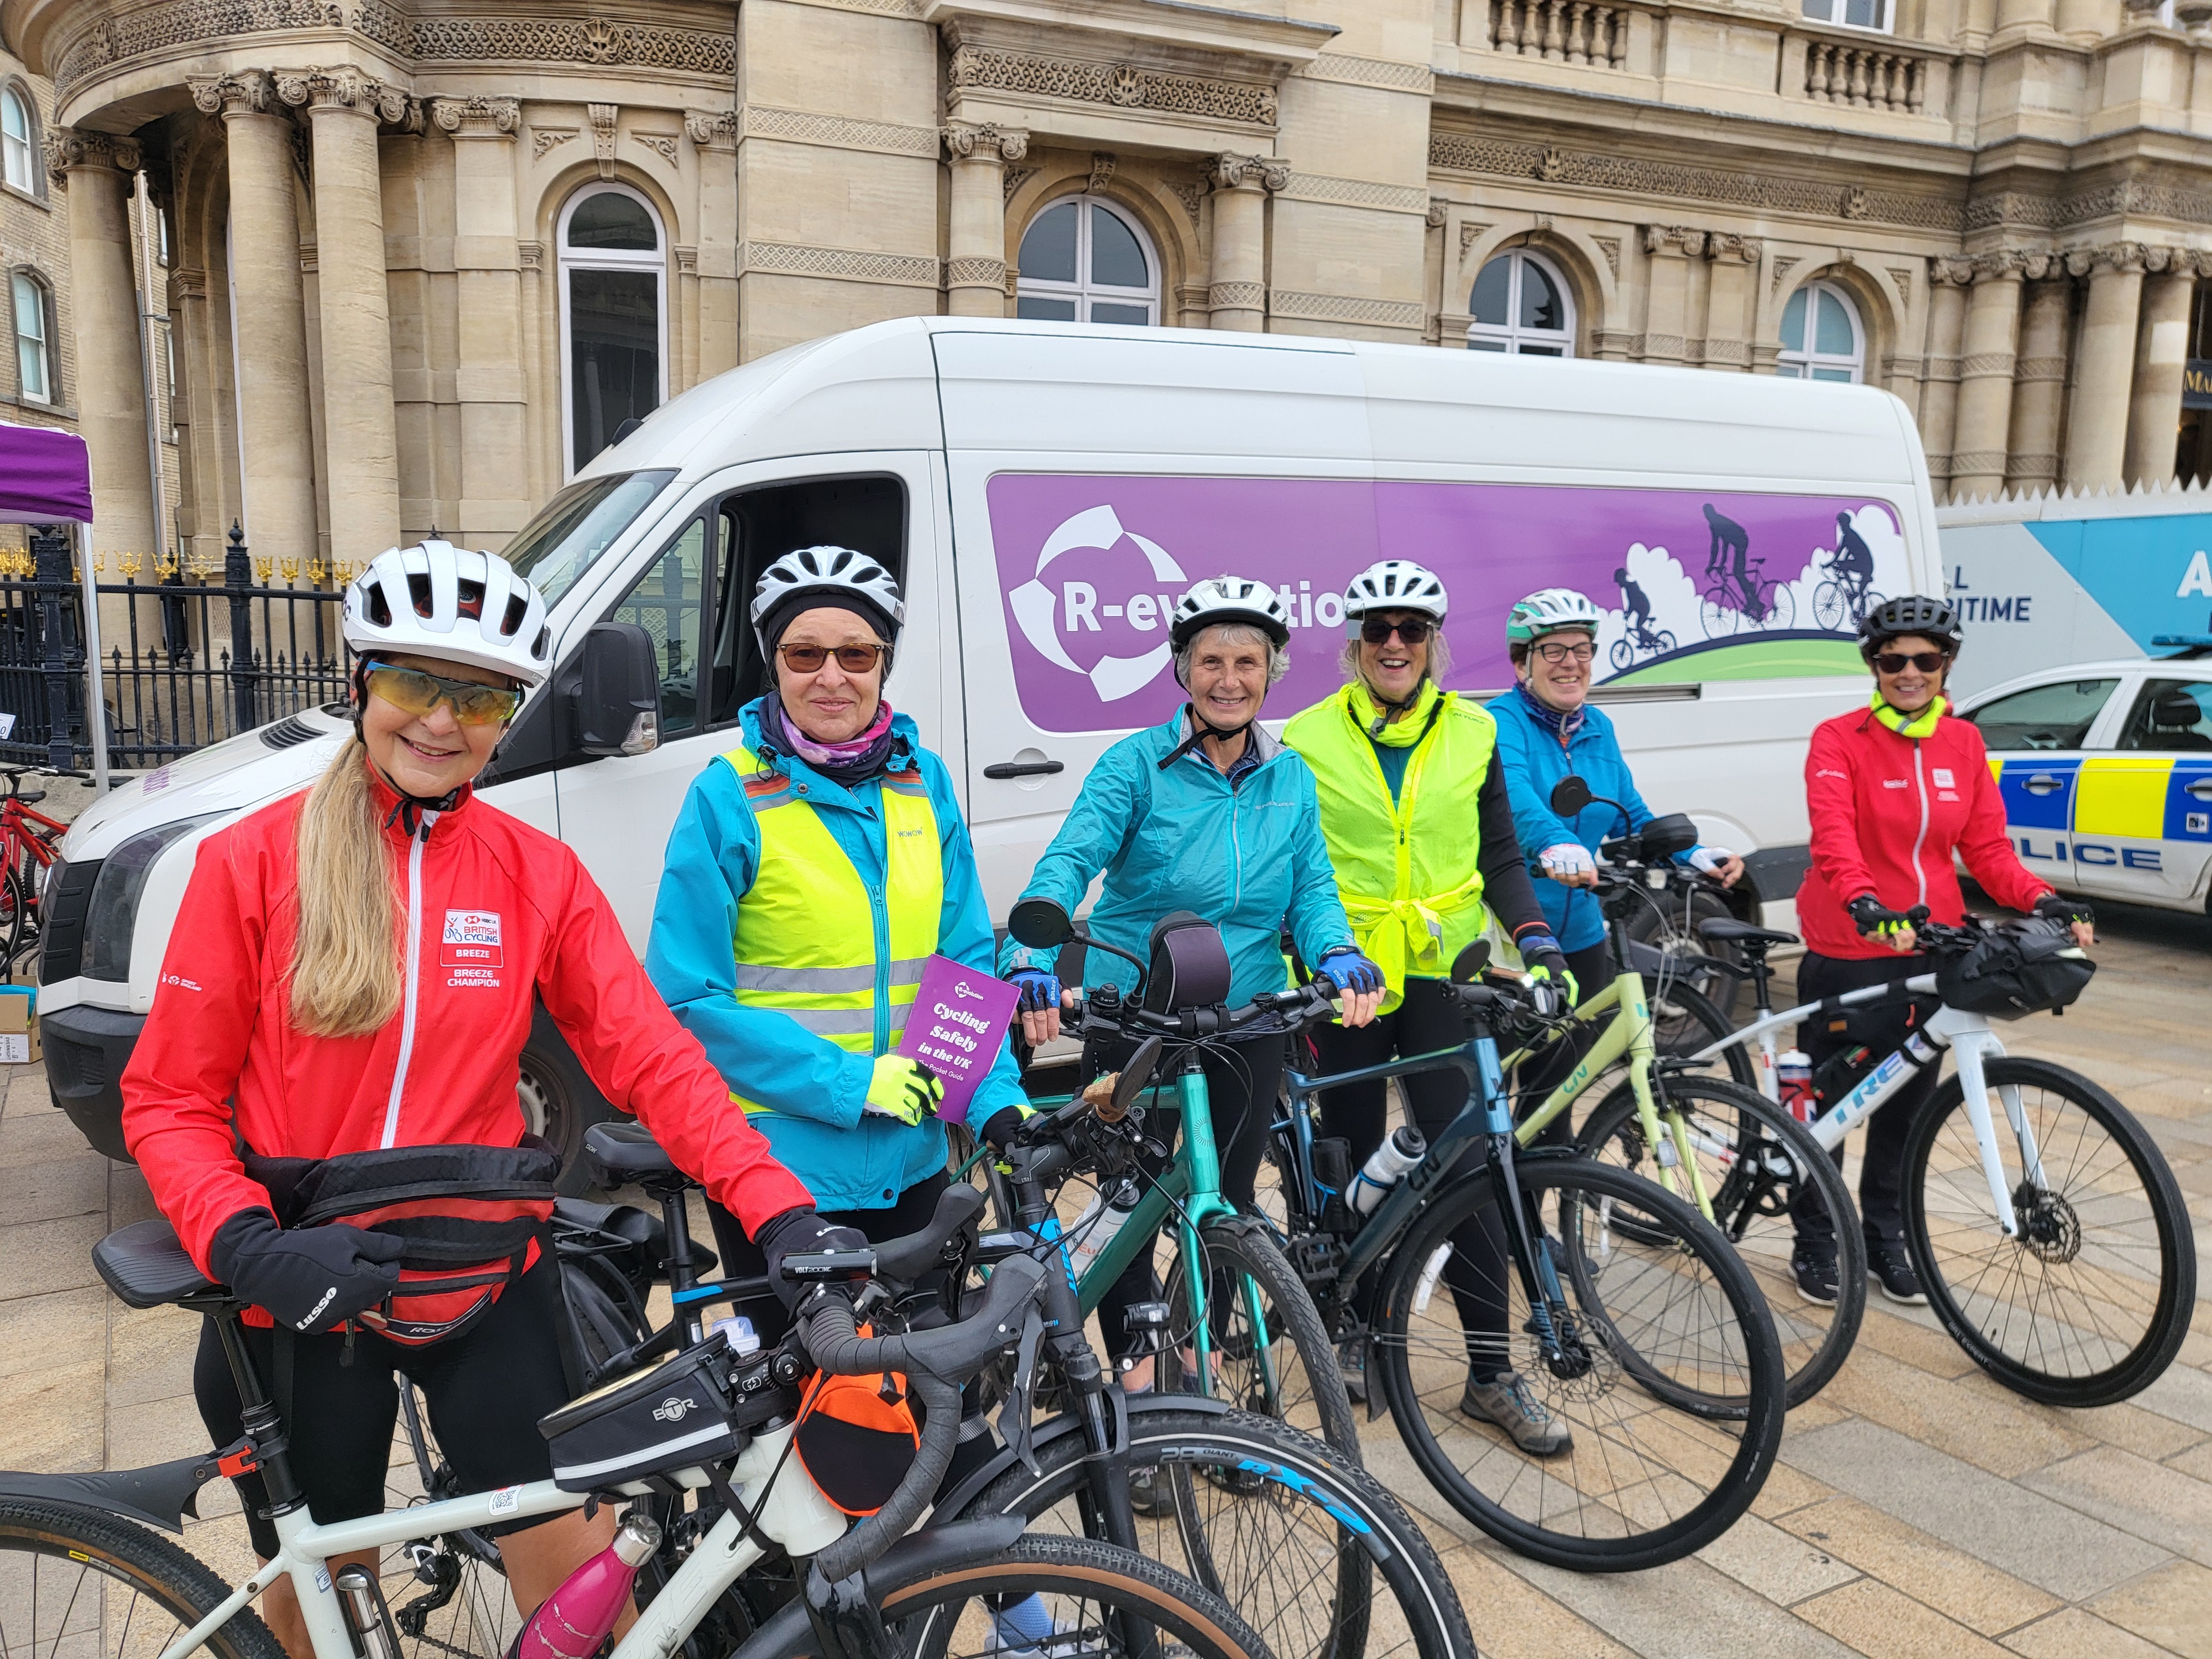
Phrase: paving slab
(1877, 1620)
(1691, 1611)
(2172, 1607)
(47, 1192)
(1782, 1567)
(2153, 1502)
(1955, 1583)
(2070, 1633)
(38, 1257)
(2184, 1393)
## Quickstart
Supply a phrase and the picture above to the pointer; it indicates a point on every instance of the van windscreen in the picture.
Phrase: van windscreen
(561, 543)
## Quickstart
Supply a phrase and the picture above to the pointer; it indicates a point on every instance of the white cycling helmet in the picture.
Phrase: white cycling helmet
(833, 574)
(435, 600)
(1220, 599)
(1548, 611)
(1395, 585)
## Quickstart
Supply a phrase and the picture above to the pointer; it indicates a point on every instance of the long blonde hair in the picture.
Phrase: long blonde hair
(345, 962)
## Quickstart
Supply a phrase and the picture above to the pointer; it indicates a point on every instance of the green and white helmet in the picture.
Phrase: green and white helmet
(1548, 611)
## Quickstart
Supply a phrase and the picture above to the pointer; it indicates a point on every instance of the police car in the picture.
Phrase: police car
(2106, 772)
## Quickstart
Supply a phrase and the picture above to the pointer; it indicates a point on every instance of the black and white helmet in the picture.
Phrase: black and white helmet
(1910, 613)
(1395, 585)
(435, 600)
(1220, 599)
(834, 574)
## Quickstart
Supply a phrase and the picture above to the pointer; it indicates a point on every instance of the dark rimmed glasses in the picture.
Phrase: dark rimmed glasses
(1894, 662)
(1415, 630)
(852, 658)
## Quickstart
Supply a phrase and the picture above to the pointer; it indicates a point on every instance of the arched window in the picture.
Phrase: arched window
(1521, 303)
(19, 139)
(35, 376)
(1822, 337)
(1083, 260)
(613, 330)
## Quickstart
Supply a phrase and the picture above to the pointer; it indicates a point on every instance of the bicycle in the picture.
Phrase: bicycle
(1843, 597)
(2069, 1274)
(1310, 1549)
(1245, 1326)
(26, 852)
(75, 1541)
(1624, 1312)
(1641, 640)
(1732, 600)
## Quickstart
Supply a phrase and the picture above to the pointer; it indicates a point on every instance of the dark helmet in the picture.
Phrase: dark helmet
(1914, 613)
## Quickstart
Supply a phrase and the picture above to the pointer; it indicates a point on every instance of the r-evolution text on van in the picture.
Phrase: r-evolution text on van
(1044, 493)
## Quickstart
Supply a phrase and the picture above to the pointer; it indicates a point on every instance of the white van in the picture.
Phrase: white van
(1044, 492)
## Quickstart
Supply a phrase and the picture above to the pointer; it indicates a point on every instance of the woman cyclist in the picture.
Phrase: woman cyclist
(1404, 771)
(354, 968)
(1206, 813)
(1895, 791)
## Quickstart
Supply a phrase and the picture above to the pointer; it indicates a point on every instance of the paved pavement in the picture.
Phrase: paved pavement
(1918, 1509)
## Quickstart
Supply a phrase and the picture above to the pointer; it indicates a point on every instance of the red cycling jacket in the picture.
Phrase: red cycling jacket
(494, 911)
(1888, 811)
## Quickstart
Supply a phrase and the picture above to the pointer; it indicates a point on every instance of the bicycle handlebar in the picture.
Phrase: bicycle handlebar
(1289, 1009)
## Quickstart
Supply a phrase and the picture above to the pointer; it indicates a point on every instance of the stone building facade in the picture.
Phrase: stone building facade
(423, 257)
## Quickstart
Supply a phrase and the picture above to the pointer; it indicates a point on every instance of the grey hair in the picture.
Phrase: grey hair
(1278, 657)
(1439, 655)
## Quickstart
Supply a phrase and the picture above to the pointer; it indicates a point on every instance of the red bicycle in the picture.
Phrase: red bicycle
(27, 848)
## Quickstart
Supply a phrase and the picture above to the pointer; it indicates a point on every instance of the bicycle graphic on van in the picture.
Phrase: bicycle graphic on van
(1847, 592)
(1642, 639)
(1736, 590)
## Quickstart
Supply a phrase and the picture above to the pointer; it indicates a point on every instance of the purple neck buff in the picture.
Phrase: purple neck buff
(848, 762)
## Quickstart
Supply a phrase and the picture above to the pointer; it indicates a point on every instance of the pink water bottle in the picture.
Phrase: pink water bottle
(577, 1618)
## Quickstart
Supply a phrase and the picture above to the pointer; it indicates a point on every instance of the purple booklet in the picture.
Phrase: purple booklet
(958, 1021)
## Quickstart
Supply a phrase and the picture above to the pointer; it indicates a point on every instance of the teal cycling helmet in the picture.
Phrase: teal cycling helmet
(1548, 611)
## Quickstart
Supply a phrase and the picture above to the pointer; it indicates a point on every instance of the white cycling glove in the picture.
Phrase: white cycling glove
(1566, 860)
(1706, 860)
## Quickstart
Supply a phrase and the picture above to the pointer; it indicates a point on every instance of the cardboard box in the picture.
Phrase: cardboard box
(19, 1025)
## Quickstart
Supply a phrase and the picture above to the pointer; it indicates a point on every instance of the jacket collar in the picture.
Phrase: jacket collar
(388, 802)
(790, 765)
(1172, 732)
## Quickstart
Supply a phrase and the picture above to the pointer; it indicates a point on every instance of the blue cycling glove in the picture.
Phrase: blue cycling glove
(1040, 990)
(1350, 971)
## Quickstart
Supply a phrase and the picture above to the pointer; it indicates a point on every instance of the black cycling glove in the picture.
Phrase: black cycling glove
(2054, 907)
(1875, 920)
(798, 1232)
(309, 1278)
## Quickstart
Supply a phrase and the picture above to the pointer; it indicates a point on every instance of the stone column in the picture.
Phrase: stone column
(715, 137)
(276, 459)
(1947, 280)
(98, 170)
(2105, 363)
(976, 276)
(1977, 465)
(2039, 379)
(2161, 353)
(488, 291)
(1734, 260)
(361, 458)
(1238, 290)
(1666, 317)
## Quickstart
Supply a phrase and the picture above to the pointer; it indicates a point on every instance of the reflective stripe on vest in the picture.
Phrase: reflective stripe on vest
(812, 940)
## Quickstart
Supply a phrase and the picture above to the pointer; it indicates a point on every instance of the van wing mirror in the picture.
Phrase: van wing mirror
(617, 691)
(1569, 795)
(1040, 924)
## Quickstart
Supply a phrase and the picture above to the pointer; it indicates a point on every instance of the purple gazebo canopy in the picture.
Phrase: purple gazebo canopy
(44, 475)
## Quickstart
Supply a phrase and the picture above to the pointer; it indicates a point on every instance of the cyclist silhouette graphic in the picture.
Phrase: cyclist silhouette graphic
(1854, 558)
(1728, 535)
(1635, 606)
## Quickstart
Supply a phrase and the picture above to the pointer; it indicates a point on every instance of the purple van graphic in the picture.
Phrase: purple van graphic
(1749, 585)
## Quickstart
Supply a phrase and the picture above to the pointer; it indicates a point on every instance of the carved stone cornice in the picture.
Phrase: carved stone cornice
(711, 131)
(477, 116)
(1126, 86)
(318, 89)
(243, 92)
(968, 141)
(71, 150)
(1268, 172)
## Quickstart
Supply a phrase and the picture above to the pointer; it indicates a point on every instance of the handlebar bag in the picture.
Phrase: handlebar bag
(1190, 966)
(472, 1218)
(700, 1407)
(857, 1437)
(2015, 971)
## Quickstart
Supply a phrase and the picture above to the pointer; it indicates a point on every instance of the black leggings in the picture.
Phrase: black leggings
(1882, 1026)
(486, 1388)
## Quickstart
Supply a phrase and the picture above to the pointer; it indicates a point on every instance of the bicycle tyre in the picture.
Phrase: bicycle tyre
(1828, 606)
(1607, 1406)
(14, 896)
(1944, 1179)
(1321, 1406)
(1623, 655)
(1313, 1493)
(924, 1607)
(126, 1557)
(1815, 1340)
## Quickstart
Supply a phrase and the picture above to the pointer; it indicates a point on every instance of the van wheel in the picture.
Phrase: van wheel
(559, 1100)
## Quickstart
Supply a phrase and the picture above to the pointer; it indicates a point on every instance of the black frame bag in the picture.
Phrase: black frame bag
(2015, 971)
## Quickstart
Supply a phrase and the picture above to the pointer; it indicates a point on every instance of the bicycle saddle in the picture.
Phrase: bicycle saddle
(30, 797)
(145, 1265)
(1719, 929)
(625, 1152)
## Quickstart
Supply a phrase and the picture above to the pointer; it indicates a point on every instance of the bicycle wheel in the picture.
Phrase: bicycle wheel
(1623, 655)
(1298, 1381)
(1717, 615)
(78, 1584)
(1093, 1593)
(1662, 643)
(447, 1592)
(1669, 925)
(18, 917)
(1756, 1161)
(1306, 1545)
(1675, 1399)
(2089, 1305)
(1829, 603)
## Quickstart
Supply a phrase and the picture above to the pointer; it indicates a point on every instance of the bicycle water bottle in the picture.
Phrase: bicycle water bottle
(1386, 1167)
(1093, 1231)
(577, 1618)
(1793, 1075)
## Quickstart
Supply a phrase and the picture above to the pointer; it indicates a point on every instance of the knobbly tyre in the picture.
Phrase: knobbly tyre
(77, 1561)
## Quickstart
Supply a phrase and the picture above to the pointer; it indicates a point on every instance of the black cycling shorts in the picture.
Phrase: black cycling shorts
(485, 1388)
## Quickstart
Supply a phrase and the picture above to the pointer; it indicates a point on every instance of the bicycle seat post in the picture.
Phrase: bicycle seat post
(258, 1416)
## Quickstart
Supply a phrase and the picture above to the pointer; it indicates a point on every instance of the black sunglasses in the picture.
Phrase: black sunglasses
(1894, 662)
(1415, 630)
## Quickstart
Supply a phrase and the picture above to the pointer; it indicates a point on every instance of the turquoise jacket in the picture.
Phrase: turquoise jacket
(849, 1161)
(1248, 856)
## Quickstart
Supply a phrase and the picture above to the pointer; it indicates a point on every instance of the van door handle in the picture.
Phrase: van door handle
(2042, 783)
(1043, 768)
(2200, 789)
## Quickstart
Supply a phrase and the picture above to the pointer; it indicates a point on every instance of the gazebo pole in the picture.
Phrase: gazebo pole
(96, 706)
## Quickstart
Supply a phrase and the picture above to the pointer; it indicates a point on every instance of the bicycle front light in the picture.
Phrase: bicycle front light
(112, 916)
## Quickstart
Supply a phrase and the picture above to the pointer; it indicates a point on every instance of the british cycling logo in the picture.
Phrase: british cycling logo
(1038, 609)
(471, 947)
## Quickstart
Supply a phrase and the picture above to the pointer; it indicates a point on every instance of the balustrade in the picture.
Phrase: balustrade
(1561, 31)
(1865, 77)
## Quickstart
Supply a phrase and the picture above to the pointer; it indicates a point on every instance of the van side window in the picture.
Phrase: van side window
(669, 603)
(757, 526)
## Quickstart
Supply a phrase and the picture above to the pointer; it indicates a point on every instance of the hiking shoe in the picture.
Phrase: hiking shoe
(1151, 1492)
(1889, 1266)
(1351, 1366)
(1815, 1273)
(1507, 1402)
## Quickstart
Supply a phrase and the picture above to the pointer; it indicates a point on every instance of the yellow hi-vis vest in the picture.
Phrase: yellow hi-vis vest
(1406, 870)
(812, 939)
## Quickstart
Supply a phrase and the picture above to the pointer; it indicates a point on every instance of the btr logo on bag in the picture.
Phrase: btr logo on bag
(471, 941)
